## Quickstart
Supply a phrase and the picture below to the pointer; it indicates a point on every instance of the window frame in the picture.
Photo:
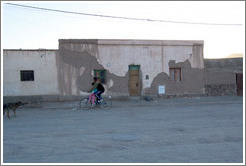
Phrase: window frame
(175, 74)
(27, 75)
(102, 75)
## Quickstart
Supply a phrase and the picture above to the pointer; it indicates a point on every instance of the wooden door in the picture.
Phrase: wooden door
(134, 81)
(239, 81)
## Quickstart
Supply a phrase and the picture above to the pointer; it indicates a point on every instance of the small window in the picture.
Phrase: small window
(147, 77)
(27, 75)
(175, 74)
(101, 74)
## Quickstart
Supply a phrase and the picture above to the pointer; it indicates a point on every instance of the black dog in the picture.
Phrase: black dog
(12, 106)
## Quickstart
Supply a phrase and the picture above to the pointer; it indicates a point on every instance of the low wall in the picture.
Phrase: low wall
(52, 98)
(220, 90)
(220, 76)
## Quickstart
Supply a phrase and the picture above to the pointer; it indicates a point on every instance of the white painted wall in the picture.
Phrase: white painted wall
(114, 55)
(120, 56)
(177, 53)
(45, 72)
(152, 56)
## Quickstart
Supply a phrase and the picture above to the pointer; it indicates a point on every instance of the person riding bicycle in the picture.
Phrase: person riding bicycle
(97, 88)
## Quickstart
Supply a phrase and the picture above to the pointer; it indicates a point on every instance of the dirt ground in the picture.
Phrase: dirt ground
(180, 130)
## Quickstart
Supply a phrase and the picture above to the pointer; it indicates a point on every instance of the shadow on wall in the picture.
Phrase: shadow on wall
(193, 80)
(89, 63)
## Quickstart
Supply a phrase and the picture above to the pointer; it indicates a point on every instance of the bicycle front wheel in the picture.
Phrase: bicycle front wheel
(106, 103)
(85, 104)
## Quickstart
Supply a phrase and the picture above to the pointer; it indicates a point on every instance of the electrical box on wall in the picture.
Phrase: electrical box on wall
(161, 90)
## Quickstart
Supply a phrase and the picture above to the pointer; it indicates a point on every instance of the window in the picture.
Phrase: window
(175, 74)
(27, 75)
(100, 74)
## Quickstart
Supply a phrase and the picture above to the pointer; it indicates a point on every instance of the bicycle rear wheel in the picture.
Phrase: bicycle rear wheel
(85, 104)
(106, 103)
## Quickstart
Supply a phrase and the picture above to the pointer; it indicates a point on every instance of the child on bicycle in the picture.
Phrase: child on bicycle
(97, 88)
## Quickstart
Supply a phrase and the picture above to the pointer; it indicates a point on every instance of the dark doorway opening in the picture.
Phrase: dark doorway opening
(239, 81)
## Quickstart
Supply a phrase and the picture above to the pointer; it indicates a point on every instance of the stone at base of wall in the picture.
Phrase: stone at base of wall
(179, 96)
(220, 90)
(59, 98)
(51, 98)
(210, 91)
(30, 99)
(41, 98)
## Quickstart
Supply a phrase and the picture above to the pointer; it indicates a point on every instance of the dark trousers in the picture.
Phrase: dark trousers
(98, 94)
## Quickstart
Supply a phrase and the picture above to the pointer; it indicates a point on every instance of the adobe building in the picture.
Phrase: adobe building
(223, 76)
(126, 68)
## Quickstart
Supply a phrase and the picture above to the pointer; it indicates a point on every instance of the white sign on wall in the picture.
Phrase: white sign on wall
(161, 90)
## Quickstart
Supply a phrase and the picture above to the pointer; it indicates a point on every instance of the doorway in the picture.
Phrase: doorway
(134, 80)
(239, 81)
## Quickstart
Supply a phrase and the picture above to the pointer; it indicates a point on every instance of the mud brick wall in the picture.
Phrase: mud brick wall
(220, 90)
(220, 76)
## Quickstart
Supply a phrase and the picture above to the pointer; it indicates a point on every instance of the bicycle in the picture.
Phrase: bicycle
(87, 103)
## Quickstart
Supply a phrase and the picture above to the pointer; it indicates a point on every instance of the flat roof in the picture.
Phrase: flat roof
(30, 49)
(131, 42)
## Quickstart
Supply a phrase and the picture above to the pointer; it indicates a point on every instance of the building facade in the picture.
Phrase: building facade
(29, 72)
(126, 68)
(131, 67)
